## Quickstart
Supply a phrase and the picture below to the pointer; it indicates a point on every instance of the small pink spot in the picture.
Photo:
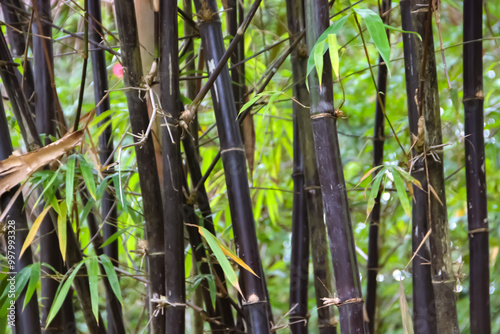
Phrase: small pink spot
(118, 70)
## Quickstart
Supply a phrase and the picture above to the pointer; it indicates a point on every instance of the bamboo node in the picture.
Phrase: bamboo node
(162, 303)
(205, 13)
(337, 302)
(312, 187)
(478, 230)
(322, 115)
(232, 149)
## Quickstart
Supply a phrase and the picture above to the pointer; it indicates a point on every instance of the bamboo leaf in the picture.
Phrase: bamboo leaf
(93, 271)
(34, 228)
(62, 229)
(333, 29)
(401, 190)
(33, 282)
(61, 294)
(221, 257)
(112, 277)
(369, 173)
(407, 176)
(250, 103)
(114, 236)
(405, 311)
(70, 181)
(318, 60)
(373, 193)
(376, 28)
(20, 281)
(334, 53)
(88, 177)
(235, 258)
(47, 187)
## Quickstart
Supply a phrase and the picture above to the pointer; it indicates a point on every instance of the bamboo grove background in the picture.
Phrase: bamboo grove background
(318, 184)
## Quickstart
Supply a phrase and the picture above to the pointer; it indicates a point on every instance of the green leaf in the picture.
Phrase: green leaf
(86, 209)
(112, 277)
(47, 186)
(454, 100)
(61, 294)
(334, 53)
(374, 191)
(34, 277)
(93, 271)
(318, 60)
(70, 181)
(250, 103)
(114, 236)
(400, 187)
(20, 281)
(62, 229)
(88, 177)
(333, 29)
(221, 257)
(376, 28)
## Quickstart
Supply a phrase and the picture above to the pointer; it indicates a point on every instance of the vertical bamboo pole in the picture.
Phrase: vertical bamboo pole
(172, 171)
(424, 316)
(27, 319)
(378, 159)
(146, 160)
(331, 178)
(317, 232)
(477, 213)
(108, 202)
(233, 159)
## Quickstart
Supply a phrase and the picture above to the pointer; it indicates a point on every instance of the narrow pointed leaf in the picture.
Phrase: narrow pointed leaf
(21, 280)
(334, 53)
(112, 277)
(62, 229)
(401, 190)
(61, 294)
(34, 228)
(93, 271)
(373, 193)
(376, 28)
(34, 277)
(318, 60)
(70, 181)
(88, 177)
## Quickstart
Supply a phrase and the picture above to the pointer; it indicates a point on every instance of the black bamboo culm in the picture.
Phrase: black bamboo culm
(223, 306)
(172, 169)
(46, 124)
(378, 159)
(73, 253)
(233, 159)
(299, 266)
(335, 205)
(317, 232)
(17, 41)
(108, 202)
(442, 275)
(480, 317)
(146, 160)
(27, 319)
(424, 317)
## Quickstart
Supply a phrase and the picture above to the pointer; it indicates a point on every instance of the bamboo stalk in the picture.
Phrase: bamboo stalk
(233, 158)
(477, 214)
(378, 159)
(45, 123)
(27, 321)
(331, 178)
(108, 202)
(315, 222)
(424, 316)
(146, 160)
(172, 171)
(443, 279)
